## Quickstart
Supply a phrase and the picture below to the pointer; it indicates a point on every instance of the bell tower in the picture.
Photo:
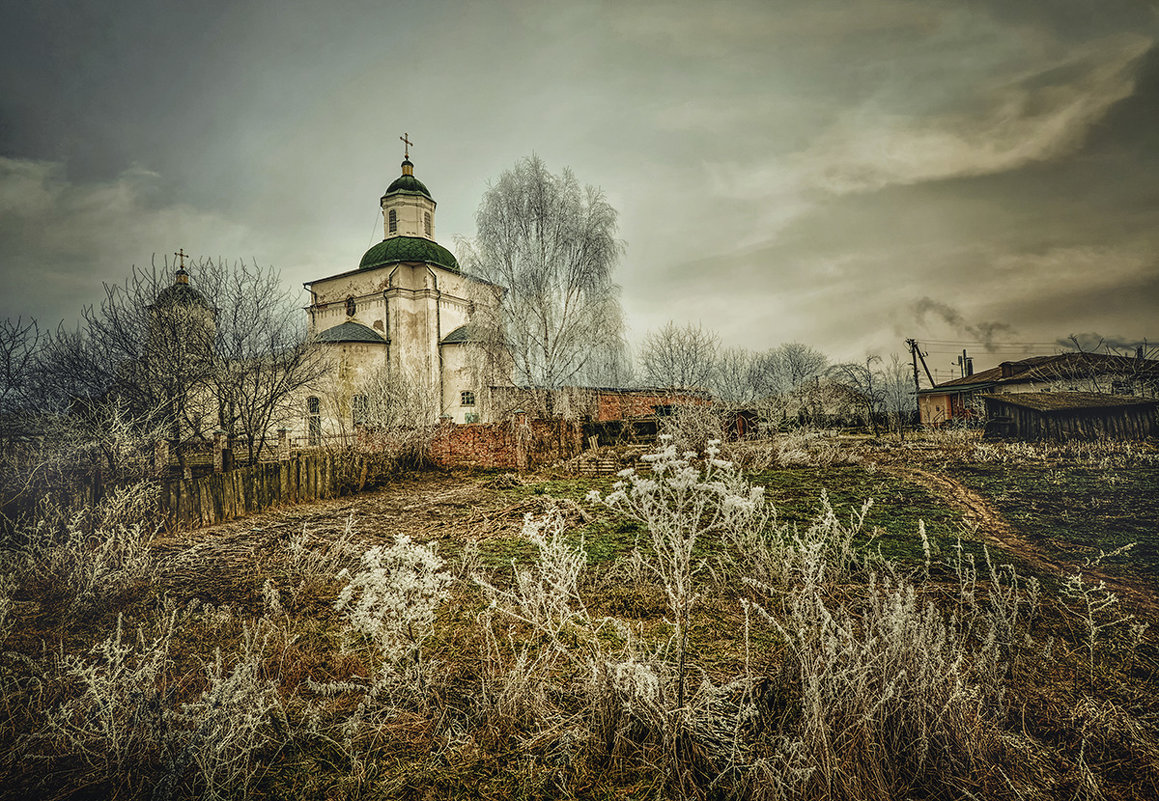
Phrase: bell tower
(407, 207)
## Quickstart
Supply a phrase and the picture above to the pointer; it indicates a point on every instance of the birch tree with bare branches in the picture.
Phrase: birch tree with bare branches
(551, 243)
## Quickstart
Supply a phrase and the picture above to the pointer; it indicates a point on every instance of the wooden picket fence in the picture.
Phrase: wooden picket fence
(218, 497)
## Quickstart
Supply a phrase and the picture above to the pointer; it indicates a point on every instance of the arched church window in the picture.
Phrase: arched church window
(351, 306)
(358, 410)
(392, 221)
(427, 222)
(467, 398)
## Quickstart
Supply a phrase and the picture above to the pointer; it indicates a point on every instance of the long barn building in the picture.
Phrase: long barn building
(1071, 415)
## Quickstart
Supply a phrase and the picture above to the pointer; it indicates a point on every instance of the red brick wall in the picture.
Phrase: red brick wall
(622, 405)
(515, 444)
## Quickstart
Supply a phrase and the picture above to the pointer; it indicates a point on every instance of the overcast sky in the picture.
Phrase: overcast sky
(844, 174)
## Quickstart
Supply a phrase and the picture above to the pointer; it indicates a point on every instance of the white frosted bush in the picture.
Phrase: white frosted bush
(893, 677)
(108, 553)
(545, 595)
(679, 502)
(116, 718)
(228, 721)
(392, 599)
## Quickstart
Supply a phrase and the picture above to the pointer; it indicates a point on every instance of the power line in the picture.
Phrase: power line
(979, 343)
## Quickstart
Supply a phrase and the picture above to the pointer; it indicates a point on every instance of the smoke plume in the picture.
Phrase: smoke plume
(983, 332)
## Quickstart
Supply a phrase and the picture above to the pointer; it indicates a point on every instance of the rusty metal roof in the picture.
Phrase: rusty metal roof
(1062, 366)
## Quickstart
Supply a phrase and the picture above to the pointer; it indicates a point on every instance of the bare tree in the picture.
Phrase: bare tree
(732, 378)
(262, 358)
(398, 411)
(868, 384)
(149, 345)
(801, 363)
(552, 245)
(786, 368)
(217, 347)
(898, 393)
(680, 357)
(610, 366)
(18, 350)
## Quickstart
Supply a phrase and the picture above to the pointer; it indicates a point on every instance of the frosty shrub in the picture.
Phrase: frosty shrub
(798, 447)
(317, 566)
(229, 720)
(90, 563)
(783, 556)
(1096, 607)
(677, 504)
(691, 427)
(546, 595)
(392, 599)
(1103, 453)
(893, 683)
(115, 723)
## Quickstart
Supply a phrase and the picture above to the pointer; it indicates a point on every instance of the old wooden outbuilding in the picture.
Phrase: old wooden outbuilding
(1071, 415)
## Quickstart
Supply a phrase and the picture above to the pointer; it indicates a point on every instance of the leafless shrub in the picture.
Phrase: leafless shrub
(545, 597)
(122, 725)
(91, 563)
(677, 504)
(229, 721)
(691, 427)
(781, 557)
(115, 725)
(799, 447)
(893, 679)
(318, 567)
(1102, 453)
(1094, 605)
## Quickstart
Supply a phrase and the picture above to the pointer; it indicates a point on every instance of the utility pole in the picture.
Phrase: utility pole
(913, 354)
(916, 352)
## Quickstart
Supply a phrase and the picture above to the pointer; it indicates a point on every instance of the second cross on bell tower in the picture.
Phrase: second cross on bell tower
(407, 207)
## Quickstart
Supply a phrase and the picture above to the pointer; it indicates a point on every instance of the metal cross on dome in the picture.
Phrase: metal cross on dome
(181, 254)
(407, 143)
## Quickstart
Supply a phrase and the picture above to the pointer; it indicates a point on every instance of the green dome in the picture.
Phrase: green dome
(407, 184)
(408, 248)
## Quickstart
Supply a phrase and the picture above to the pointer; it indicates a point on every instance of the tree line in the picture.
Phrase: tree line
(224, 348)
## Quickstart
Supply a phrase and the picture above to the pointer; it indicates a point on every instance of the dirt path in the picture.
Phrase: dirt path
(991, 527)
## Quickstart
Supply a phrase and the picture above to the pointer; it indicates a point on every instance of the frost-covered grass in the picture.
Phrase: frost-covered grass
(689, 630)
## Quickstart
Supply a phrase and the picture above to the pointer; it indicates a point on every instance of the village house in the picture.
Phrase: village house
(1070, 415)
(962, 398)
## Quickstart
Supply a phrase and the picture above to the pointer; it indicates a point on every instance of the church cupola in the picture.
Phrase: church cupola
(180, 293)
(407, 206)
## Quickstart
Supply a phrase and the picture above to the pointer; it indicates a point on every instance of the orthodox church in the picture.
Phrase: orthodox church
(404, 311)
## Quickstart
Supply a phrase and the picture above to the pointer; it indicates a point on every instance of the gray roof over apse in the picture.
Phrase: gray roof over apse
(351, 331)
(458, 336)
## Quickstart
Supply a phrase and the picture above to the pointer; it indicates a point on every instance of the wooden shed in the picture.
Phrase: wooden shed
(1071, 415)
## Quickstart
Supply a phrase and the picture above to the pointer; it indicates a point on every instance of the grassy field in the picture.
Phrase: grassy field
(1075, 511)
(782, 656)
